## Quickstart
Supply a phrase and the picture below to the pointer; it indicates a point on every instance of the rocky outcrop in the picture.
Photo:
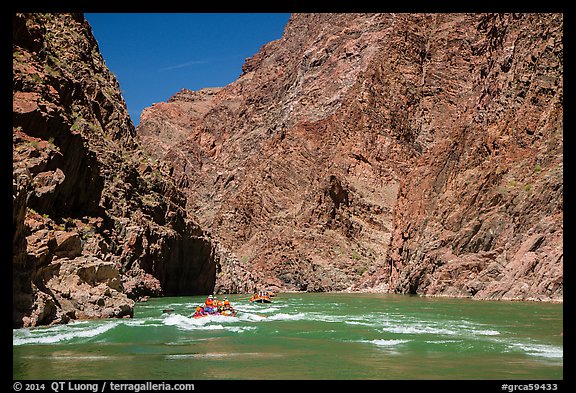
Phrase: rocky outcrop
(97, 223)
(79, 288)
(417, 153)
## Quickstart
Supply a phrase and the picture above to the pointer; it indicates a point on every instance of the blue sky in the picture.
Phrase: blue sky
(156, 55)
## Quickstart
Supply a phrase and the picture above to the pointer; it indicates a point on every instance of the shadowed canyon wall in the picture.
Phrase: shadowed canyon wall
(97, 223)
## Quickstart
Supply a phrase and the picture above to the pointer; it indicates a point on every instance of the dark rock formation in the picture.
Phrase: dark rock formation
(417, 153)
(97, 223)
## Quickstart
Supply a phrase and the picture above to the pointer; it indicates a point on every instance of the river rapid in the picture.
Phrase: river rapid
(304, 336)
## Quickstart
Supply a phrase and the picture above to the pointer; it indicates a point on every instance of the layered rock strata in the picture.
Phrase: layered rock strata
(412, 153)
(481, 213)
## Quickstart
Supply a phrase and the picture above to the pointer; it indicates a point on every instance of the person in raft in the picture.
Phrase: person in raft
(227, 308)
(214, 306)
(210, 306)
(199, 311)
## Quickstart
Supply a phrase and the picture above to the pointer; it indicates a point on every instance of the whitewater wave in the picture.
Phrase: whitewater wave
(360, 323)
(60, 333)
(486, 332)
(214, 322)
(287, 317)
(251, 317)
(539, 350)
(308, 316)
(186, 323)
(253, 309)
(422, 327)
(418, 330)
(442, 341)
(386, 343)
(240, 329)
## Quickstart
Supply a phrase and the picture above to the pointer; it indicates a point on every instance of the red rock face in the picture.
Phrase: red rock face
(272, 168)
(481, 213)
(415, 153)
(97, 223)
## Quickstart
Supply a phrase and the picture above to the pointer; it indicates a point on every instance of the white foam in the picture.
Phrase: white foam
(266, 310)
(240, 329)
(442, 341)
(195, 355)
(418, 330)
(328, 318)
(218, 355)
(386, 343)
(257, 309)
(540, 350)
(358, 323)
(288, 317)
(182, 322)
(251, 317)
(486, 332)
(51, 336)
(137, 322)
(424, 327)
(212, 322)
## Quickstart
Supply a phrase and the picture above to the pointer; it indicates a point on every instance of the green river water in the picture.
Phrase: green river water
(304, 336)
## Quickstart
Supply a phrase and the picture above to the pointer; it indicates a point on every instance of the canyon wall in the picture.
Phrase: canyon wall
(404, 153)
(410, 153)
(97, 223)
(481, 213)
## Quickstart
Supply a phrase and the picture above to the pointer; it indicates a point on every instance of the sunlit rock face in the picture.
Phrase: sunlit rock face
(411, 153)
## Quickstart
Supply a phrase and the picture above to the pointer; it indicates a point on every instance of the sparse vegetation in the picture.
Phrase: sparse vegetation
(51, 71)
(503, 191)
(76, 126)
(361, 269)
(35, 77)
(149, 200)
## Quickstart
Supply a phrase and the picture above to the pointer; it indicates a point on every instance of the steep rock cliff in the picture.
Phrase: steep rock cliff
(276, 165)
(417, 153)
(97, 223)
(481, 213)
